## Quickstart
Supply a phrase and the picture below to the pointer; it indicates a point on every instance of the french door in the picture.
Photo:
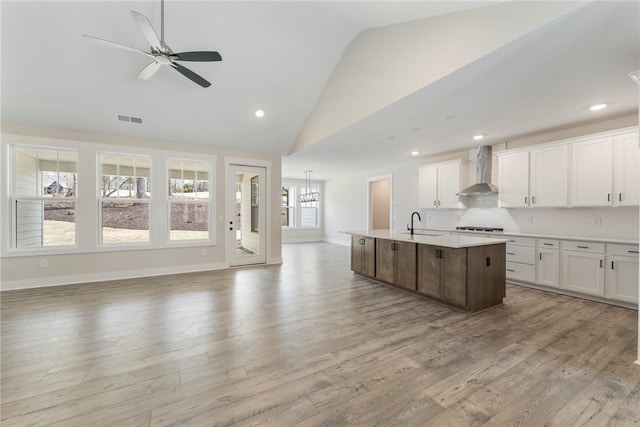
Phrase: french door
(245, 215)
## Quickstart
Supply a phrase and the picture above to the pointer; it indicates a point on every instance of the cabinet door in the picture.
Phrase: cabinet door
(406, 265)
(449, 177)
(369, 256)
(453, 276)
(625, 171)
(429, 271)
(549, 177)
(385, 260)
(356, 254)
(622, 278)
(548, 267)
(591, 177)
(513, 180)
(428, 187)
(583, 272)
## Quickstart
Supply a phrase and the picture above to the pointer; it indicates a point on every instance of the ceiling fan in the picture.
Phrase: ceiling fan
(161, 53)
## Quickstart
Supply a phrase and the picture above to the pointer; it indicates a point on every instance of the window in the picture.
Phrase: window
(189, 200)
(125, 193)
(288, 206)
(300, 205)
(309, 209)
(44, 191)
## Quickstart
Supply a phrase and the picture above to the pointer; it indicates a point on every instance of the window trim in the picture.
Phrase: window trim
(101, 199)
(14, 199)
(210, 201)
(299, 186)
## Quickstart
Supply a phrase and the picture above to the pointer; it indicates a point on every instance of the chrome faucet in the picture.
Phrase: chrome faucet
(419, 219)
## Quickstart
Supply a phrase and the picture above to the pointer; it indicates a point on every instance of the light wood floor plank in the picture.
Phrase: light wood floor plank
(308, 343)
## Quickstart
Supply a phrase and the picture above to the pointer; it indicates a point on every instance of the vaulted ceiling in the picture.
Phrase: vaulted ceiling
(501, 69)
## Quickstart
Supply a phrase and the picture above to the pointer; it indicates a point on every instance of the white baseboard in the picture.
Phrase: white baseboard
(302, 240)
(102, 277)
(338, 242)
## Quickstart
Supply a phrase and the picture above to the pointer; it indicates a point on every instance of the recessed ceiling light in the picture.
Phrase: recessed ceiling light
(598, 107)
(259, 113)
(415, 153)
(478, 137)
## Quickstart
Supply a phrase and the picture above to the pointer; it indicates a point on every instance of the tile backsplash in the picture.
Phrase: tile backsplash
(617, 223)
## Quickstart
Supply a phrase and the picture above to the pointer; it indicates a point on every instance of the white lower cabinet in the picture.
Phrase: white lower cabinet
(583, 267)
(521, 259)
(621, 280)
(548, 263)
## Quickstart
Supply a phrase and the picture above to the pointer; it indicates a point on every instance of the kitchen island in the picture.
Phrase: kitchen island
(465, 272)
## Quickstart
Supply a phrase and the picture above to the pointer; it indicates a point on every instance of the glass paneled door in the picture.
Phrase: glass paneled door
(246, 213)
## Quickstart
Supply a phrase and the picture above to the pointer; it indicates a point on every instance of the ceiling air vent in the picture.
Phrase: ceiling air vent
(130, 119)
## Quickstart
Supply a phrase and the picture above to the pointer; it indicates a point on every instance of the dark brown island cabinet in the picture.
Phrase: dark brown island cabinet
(396, 263)
(462, 272)
(363, 255)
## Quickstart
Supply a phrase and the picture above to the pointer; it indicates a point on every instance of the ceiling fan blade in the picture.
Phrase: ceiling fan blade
(114, 44)
(147, 30)
(190, 75)
(200, 56)
(148, 71)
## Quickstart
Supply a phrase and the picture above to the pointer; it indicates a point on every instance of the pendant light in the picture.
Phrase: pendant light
(308, 196)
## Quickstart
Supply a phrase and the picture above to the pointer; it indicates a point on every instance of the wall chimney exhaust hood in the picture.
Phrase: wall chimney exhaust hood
(483, 175)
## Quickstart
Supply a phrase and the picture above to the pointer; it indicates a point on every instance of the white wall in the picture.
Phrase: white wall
(90, 262)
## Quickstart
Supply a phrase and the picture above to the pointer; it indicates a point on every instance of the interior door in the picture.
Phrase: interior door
(245, 215)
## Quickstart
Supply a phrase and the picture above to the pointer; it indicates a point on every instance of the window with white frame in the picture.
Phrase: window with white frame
(309, 208)
(288, 212)
(298, 211)
(43, 193)
(189, 199)
(124, 198)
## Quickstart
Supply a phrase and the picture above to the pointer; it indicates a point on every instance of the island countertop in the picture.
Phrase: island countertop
(444, 241)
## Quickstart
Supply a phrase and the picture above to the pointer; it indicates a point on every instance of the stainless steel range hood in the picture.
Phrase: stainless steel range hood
(483, 175)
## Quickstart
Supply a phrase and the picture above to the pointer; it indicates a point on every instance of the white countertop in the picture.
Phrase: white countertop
(506, 234)
(444, 241)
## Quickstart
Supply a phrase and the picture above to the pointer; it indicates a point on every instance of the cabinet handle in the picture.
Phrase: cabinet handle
(510, 270)
(511, 253)
(612, 267)
(608, 197)
(620, 197)
(533, 199)
(548, 244)
(583, 247)
(633, 252)
(540, 256)
(600, 263)
(525, 200)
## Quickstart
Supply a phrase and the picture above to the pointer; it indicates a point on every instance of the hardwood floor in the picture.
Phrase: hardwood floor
(309, 343)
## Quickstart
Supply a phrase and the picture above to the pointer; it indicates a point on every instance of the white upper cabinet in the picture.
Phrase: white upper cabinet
(549, 176)
(625, 170)
(439, 183)
(592, 172)
(513, 180)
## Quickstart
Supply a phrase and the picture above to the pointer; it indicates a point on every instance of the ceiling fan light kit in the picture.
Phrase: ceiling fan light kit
(161, 53)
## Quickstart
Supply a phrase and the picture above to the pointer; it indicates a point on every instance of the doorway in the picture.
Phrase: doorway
(246, 215)
(379, 205)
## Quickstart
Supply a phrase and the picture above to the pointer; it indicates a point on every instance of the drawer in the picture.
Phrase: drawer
(522, 254)
(548, 244)
(623, 250)
(521, 241)
(523, 272)
(582, 246)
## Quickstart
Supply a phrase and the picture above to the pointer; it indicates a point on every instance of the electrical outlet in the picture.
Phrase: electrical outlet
(44, 263)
